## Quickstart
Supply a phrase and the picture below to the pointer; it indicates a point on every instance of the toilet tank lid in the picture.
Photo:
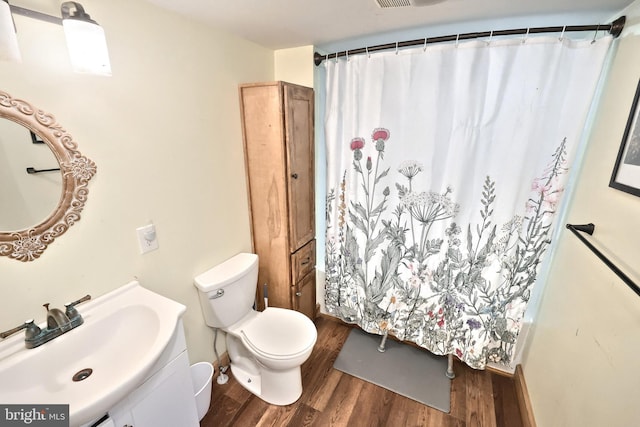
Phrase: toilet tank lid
(227, 272)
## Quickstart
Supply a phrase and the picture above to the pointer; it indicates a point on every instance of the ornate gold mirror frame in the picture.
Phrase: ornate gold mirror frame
(76, 170)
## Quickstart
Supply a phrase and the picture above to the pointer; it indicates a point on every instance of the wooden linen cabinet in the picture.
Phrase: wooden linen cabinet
(278, 135)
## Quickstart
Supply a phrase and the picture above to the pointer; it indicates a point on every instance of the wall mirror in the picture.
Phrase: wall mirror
(44, 179)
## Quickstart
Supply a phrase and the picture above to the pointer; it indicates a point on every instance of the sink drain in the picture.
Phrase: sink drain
(82, 374)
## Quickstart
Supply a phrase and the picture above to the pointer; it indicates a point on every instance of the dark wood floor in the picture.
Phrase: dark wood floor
(333, 398)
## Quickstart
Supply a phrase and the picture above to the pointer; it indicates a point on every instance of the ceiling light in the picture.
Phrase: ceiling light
(8, 41)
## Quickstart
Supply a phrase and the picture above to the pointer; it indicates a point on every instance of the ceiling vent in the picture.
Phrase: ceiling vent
(404, 3)
(393, 3)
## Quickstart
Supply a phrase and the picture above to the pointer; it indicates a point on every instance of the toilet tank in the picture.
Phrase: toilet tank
(227, 291)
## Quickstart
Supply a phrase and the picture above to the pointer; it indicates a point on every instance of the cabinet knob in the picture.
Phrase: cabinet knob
(294, 175)
(298, 294)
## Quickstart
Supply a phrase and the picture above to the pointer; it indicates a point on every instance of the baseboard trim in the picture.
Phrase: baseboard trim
(526, 411)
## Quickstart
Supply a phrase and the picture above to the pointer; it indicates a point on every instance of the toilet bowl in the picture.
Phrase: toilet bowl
(269, 348)
(266, 348)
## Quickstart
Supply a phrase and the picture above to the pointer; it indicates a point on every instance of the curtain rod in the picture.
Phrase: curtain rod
(589, 228)
(615, 28)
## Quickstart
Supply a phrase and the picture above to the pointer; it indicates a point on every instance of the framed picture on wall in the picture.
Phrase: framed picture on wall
(626, 173)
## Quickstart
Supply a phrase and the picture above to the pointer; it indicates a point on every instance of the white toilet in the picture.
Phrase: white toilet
(266, 348)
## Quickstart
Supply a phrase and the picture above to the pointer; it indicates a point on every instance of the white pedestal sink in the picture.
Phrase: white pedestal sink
(128, 335)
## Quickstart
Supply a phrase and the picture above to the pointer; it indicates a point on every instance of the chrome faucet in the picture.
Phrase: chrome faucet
(58, 323)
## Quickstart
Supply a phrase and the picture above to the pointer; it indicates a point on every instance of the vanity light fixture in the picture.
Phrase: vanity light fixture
(86, 41)
(9, 50)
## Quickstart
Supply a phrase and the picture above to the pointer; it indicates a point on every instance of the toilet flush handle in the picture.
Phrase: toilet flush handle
(218, 294)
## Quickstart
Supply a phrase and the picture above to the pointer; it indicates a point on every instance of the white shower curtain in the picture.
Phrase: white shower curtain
(445, 167)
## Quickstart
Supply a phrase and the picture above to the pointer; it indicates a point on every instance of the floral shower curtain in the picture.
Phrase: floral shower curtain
(445, 167)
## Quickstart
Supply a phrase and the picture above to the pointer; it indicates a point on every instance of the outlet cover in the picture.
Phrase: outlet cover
(147, 238)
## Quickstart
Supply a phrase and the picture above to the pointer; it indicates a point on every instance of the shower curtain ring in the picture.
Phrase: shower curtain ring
(457, 39)
(526, 36)
(562, 34)
(347, 53)
(367, 50)
(425, 45)
(490, 37)
(396, 48)
(595, 34)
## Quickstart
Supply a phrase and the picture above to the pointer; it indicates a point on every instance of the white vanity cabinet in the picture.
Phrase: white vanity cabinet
(166, 398)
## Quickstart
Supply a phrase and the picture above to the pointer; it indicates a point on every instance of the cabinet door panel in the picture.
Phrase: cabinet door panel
(300, 163)
(304, 298)
(262, 111)
(303, 261)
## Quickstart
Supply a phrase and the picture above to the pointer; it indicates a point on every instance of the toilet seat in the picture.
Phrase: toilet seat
(278, 333)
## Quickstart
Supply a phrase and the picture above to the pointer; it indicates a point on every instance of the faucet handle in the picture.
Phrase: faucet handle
(28, 325)
(81, 300)
(32, 330)
(71, 309)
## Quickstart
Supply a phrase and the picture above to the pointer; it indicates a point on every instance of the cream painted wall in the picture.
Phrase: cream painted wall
(581, 364)
(295, 65)
(165, 134)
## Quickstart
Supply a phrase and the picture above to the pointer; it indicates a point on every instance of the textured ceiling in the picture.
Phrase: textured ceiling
(279, 24)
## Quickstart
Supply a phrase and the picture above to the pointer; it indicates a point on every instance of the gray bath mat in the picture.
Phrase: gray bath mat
(403, 369)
